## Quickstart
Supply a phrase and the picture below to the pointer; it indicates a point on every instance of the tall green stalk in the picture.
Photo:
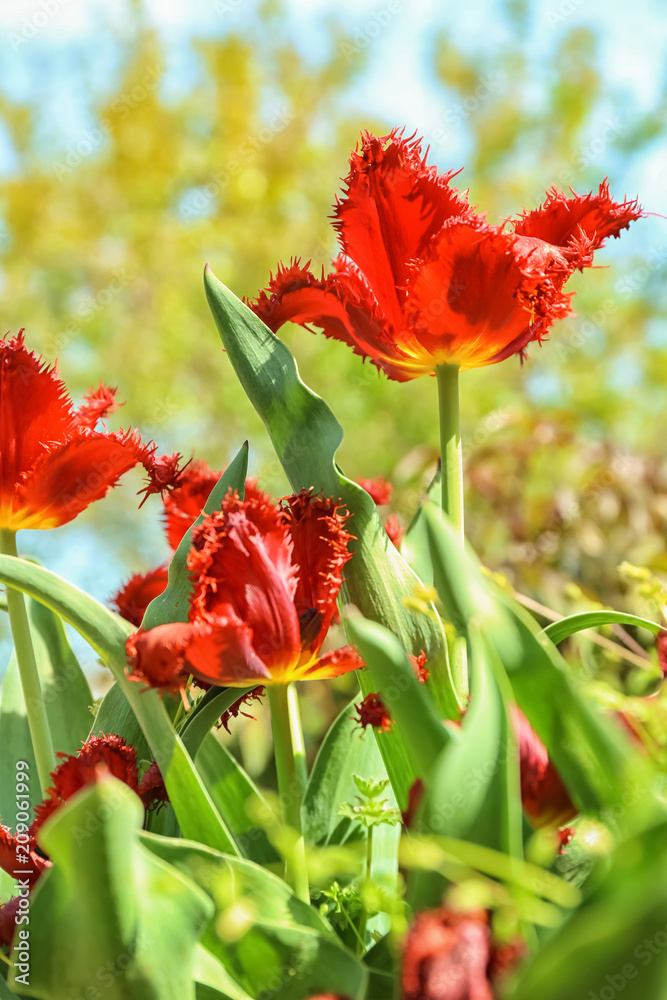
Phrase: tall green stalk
(40, 734)
(452, 490)
(290, 766)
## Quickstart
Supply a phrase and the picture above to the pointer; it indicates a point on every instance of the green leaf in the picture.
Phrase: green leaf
(474, 792)
(409, 705)
(345, 751)
(172, 604)
(232, 792)
(272, 944)
(106, 633)
(206, 713)
(560, 630)
(614, 944)
(115, 715)
(66, 695)
(109, 913)
(591, 754)
(306, 437)
(212, 981)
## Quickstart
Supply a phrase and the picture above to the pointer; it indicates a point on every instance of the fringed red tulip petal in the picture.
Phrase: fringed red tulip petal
(134, 596)
(563, 220)
(221, 651)
(392, 207)
(241, 560)
(333, 664)
(52, 461)
(236, 709)
(13, 860)
(63, 482)
(157, 656)
(98, 404)
(35, 409)
(342, 306)
(372, 711)
(477, 297)
(77, 771)
(425, 281)
(319, 550)
(185, 502)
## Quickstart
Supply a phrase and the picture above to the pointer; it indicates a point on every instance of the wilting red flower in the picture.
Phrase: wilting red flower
(109, 752)
(543, 794)
(451, 955)
(372, 711)
(419, 666)
(134, 596)
(9, 911)
(661, 649)
(415, 796)
(328, 996)
(53, 461)
(395, 530)
(424, 280)
(446, 957)
(265, 583)
(80, 769)
(379, 489)
(152, 790)
(236, 709)
(565, 836)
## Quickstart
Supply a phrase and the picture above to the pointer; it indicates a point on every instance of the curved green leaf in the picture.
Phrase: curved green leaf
(109, 913)
(272, 944)
(563, 629)
(201, 719)
(347, 749)
(232, 791)
(591, 754)
(106, 633)
(306, 437)
(614, 943)
(66, 695)
(474, 792)
(409, 705)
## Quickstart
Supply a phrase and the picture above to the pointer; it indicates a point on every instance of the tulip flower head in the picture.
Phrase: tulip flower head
(265, 583)
(53, 462)
(423, 279)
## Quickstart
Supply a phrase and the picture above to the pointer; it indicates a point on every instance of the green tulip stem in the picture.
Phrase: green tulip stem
(452, 490)
(38, 723)
(290, 767)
